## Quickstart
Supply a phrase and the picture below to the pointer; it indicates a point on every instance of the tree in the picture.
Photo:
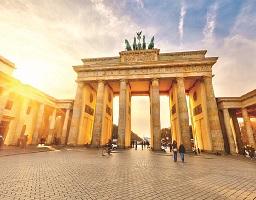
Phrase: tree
(134, 136)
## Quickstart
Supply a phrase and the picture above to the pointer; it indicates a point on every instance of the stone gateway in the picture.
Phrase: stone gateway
(180, 75)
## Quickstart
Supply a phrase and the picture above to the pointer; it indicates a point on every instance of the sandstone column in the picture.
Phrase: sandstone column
(97, 127)
(231, 141)
(183, 114)
(155, 115)
(20, 119)
(248, 127)
(65, 127)
(3, 100)
(237, 131)
(77, 110)
(122, 113)
(52, 127)
(213, 117)
(205, 114)
(39, 120)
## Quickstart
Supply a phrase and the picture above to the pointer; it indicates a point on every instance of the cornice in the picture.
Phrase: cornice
(7, 62)
(207, 61)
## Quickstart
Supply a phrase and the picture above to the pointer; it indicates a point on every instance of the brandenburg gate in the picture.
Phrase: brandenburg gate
(186, 77)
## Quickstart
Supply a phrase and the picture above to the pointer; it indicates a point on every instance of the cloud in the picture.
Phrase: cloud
(245, 23)
(181, 20)
(45, 39)
(210, 23)
(235, 69)
(140, 3)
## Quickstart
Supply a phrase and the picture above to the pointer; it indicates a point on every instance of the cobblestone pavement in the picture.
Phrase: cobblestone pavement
(13, 150)
(86, 174)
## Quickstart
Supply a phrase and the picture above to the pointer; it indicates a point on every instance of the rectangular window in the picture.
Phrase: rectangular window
(197, 110)
(9, 105)
(173, 109)
(28, 110)
(89, 110)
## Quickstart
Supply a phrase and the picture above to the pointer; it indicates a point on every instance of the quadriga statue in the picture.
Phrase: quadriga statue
(128, 46)
(151, 44)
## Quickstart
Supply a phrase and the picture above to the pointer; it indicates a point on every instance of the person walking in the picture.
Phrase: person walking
(175, 150)
(182, 152)
(1, 140)
(135, 144)
(142, 143)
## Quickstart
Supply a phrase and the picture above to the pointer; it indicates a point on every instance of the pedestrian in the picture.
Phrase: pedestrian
(175, 150)
(198, 151)
(182, 152)
(1, 140)
(135, 144)
(142, 143)
(251, 152)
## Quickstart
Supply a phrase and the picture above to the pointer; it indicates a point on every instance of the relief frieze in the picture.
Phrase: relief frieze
(148, 71)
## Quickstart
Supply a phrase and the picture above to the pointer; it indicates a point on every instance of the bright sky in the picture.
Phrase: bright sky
(45, 38)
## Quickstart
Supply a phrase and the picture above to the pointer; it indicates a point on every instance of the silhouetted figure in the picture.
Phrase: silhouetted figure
(182, 152)
(136, 144)
(170, 147)
(142, 143)
(1, 140)
(175, 150)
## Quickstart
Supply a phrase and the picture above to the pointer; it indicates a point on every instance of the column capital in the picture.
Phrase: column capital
(155, 79)
(155, 82)
(179, 78)
(80, 84)
(123, 80)
(207, 78)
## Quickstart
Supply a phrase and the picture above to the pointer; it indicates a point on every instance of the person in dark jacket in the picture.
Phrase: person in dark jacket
(175, 150)
(182, 152)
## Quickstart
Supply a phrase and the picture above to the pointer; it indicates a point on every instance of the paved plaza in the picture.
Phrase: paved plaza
(86, 174)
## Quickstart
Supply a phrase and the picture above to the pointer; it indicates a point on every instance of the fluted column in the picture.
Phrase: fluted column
(213, 117)
(155, 115)
(21, 113)
(248, 127)
(65, 127)
(183, 114)
(52, 127)
(39, 120)
(237, 132)
(122, 113)
(3, 99)
(97, 127)
(76, 117)
(205, 114)
(231, 140)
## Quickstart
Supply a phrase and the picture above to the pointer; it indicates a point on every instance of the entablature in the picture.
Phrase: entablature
(157, 64)
(146, 73)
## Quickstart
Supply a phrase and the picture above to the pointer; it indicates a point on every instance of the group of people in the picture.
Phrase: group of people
(249, 151)
(143, 143)
(175, 150)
